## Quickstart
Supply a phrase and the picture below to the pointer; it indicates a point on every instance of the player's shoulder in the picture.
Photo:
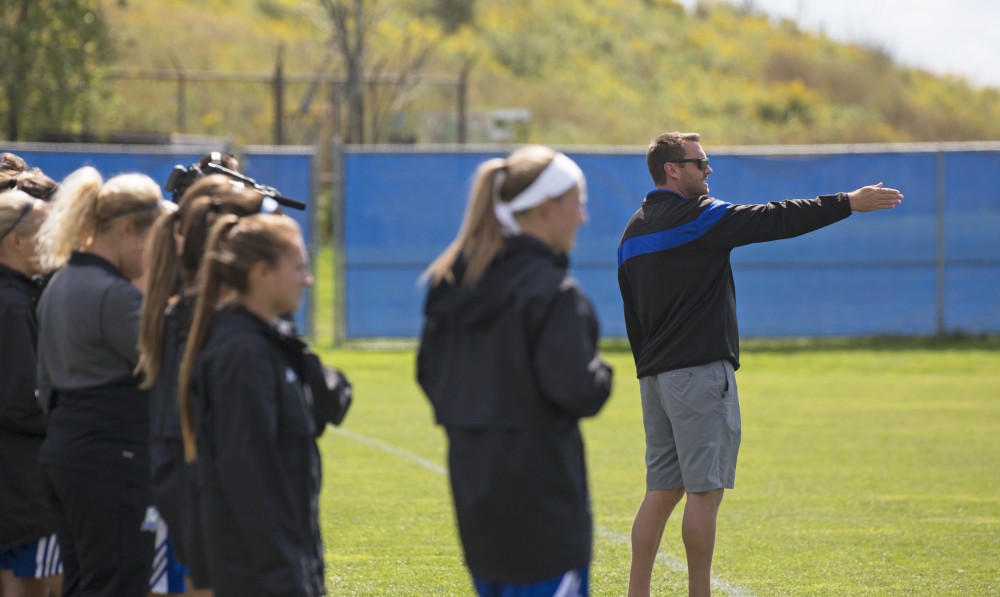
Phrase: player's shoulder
(670, 212)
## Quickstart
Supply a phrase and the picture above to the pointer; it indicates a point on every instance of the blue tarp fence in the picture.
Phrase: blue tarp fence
(930, 266)
(289, 169)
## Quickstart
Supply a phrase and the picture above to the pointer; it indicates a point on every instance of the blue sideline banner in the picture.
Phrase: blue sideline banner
(289, 169)
(931, 265)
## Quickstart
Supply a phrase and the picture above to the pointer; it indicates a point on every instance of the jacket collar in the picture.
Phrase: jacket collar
(83, 258)
(660, 194)
(524, 243)
(9, 272)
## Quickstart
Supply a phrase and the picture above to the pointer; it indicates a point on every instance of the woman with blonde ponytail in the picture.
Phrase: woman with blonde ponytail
(244, 415)
(174, 251)
(95, 458)
(508, 358)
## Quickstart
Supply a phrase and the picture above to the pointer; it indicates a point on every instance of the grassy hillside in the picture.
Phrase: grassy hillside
(609, 72)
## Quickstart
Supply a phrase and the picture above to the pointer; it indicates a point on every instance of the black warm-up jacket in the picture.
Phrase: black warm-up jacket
(175, 482)
(24, 512)
(257, 462)
(510, 365)
(675, 276)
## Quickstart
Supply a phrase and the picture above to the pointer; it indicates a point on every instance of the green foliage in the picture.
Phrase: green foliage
(620, 72)
(53, 53)
(610, 72)
(451, 14)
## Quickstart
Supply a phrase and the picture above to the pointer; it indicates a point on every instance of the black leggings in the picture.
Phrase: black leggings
(105, 552)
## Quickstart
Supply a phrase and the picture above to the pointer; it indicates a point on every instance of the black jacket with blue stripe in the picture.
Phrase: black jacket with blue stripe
(675, 276)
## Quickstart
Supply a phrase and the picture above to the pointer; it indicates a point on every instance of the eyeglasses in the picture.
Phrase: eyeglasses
(702, 162)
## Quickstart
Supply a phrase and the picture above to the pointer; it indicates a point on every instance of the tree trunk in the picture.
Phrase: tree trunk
(17, 59)
(356, 76)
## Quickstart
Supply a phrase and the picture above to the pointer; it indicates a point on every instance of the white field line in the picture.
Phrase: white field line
(668, 561)
(405, 454)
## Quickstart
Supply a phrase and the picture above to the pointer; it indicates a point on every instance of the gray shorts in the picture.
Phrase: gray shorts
(692, 422)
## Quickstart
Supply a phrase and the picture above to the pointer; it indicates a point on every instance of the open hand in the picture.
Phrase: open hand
(874, 197)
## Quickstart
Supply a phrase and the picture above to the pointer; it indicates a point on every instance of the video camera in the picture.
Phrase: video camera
(182, 178)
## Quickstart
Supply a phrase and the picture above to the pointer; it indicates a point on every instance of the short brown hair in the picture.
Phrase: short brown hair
(11, 163)
(35, 183)
(666, 148)
(226, 160)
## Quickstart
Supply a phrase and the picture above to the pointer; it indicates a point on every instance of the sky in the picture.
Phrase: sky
(950, 37)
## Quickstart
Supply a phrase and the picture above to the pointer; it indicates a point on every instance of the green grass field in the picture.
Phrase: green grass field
(867, 468)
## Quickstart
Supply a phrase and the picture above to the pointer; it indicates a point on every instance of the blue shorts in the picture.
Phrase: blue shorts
(168, 574)
(37, 559)
(575, 583)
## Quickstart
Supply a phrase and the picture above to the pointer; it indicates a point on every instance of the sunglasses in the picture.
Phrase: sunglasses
(702, 162)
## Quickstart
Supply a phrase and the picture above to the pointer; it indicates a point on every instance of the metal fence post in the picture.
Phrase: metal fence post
(279, 97)
(181, 92)
(337, 240)
(312, 245)
(939, 256)
(463, 101)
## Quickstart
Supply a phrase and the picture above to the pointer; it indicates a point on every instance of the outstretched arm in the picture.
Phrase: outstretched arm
(745, 224)
(874, 197)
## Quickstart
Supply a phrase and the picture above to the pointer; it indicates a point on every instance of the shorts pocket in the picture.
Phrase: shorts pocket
(699, 382)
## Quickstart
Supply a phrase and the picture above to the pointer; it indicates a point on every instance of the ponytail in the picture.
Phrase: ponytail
(209, 290)
(480, 237)
(85, 205)
(73, 220)
(162, 262)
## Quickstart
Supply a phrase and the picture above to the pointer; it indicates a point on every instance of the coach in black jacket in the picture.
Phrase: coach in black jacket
(510, 365)
(680, 314)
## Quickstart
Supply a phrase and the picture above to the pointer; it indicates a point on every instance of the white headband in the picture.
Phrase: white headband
(560, 176)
